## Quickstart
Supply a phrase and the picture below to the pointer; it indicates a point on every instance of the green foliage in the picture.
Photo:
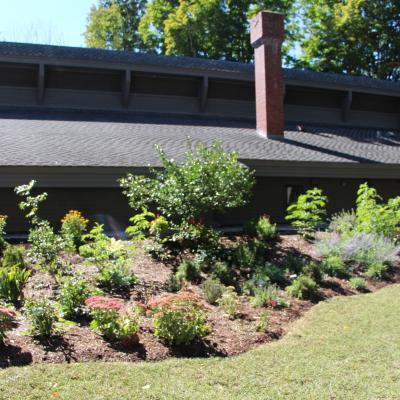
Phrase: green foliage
(213, 290)
(72, 295)
(352, 37)
(222, 272)
(13, 255)
(267, 297)
(6, 318)
(308, 211)
(42, 315)
(113, 24)
(375, 216)
(179, 321)
(188, 270)
(262, 277)
(172, 285)
(208, 181)
(294, 263)
(344, 223)
(335, 266)
(263, 321)
(99, 248)
(358, 284)
(12, 281)
(248, 255)
(314, 270)
(208, 28)
(3, 223)
(116, 275)
(304, 287)
(376, 270)
(140, 224)
(73, 226)
(45, 245)
(229, 301)
(261, 228)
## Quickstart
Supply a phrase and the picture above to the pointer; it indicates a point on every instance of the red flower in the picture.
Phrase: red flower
(273, 303)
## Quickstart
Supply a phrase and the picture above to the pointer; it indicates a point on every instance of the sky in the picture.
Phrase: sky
(59, 22)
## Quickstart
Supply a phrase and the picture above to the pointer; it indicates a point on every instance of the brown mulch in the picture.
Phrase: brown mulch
(227, 337)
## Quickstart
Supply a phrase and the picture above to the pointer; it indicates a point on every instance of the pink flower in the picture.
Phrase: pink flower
(273, 303)
(7, 312)
(104, 303)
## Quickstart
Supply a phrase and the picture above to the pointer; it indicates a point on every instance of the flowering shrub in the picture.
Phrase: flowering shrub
(107, 319)
(179, 318)
(12, 281)
(308, 211)
(73, 226)
(42, 315)
(267, 297)
(3, 222)
(72, 295)
(6, 317)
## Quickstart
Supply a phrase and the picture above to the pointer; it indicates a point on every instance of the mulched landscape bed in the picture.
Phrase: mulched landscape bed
(228, 337)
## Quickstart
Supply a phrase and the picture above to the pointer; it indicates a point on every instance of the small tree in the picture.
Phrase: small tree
(308, 211)
(208, 181)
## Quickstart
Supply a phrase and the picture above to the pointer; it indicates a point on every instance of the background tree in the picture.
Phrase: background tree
(358, 37)
(114, 24)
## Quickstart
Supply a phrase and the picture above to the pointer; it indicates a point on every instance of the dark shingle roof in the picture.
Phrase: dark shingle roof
(200, 64)
(57, 138)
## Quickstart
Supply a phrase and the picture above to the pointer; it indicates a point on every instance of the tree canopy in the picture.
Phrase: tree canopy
(357, 37)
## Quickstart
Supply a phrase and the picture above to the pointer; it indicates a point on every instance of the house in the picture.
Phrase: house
(77, 119)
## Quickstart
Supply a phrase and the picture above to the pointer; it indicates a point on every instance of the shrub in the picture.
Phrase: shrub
(263, 321)
(229, 301)
(262, 277)
(376, 270)
(72, 295)
(294, 263)
(172, 285)
(267, 297)
(208, 181)
(344, 223)
(314, 270)
(99, 248)
(73, 226)
(45, 244)
(107, 319)
(3, 222)
(335, 266)
(361, 248)
(222, 272)
(6, 318)
(116, 275)
(248, 255)
(375, 216)
(213, 290)
(42, 316)
(141, 223)
(13, 255)
(179, 318)
(188, 270)
(12, 281)
(358, 284)
(308, 211)
(261, 228)
(303, 287)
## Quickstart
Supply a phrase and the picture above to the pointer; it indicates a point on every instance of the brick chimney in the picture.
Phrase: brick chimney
(267, 33)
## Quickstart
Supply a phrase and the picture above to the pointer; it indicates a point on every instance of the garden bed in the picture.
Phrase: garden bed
(227, 337)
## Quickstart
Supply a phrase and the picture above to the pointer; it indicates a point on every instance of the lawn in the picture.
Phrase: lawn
(345, 348)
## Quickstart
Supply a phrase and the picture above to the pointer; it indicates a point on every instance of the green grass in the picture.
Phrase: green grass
(346, 348)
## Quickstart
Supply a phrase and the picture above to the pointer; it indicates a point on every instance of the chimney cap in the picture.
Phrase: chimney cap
(266, 25)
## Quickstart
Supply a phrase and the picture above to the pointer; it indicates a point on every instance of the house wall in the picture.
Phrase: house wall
(109, 206)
